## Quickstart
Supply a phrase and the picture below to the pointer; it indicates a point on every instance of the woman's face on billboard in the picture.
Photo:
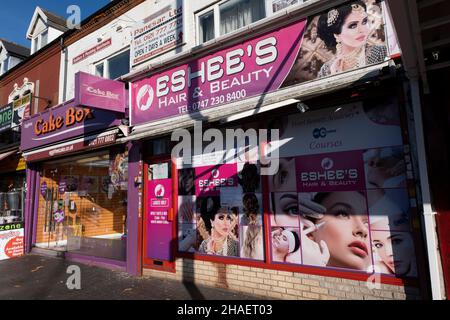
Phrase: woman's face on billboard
(286, 209)
(396, 250)
(284, 179)
(280, 241)
(223, 222)
(345, 230)
(355, 29)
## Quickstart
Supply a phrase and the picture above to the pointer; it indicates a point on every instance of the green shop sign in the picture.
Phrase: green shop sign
(6, 114)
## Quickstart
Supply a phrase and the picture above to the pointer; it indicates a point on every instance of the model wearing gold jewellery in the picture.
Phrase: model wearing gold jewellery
(220, 223)
(345, 31)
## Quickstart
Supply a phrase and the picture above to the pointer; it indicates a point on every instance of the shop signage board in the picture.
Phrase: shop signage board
(6, 114)
(73, 147)
(91, 51)
(11, 241)
(21, 109)
(280, 58)
(158, 33)
(100, 93)
(21, 165)
(159, 228)
(251, 68)
(64, 122)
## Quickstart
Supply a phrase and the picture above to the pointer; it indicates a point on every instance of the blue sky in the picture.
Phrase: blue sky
(15, 15)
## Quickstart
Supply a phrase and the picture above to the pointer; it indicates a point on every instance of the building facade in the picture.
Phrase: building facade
(26, 88)
(263, 146)
(213, 214)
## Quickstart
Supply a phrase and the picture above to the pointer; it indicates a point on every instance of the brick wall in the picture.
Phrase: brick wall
(275, 284)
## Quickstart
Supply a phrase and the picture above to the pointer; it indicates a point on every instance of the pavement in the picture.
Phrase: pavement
(36, 277)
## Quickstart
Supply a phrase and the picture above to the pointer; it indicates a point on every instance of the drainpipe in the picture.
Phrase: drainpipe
(428, 213)
(64, 52)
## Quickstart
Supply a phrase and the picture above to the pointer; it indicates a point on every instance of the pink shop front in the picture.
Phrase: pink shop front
(77, 172)
(343, 203)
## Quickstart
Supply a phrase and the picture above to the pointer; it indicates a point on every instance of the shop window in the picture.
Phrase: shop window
(83, 205)
(228, 16)
(338, 201)
(114, 67)
(12, 196)
(220, 210)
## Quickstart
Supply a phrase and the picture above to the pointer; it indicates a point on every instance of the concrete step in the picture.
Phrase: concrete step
(48, 252)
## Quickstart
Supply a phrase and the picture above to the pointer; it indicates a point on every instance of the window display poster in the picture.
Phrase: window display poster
(118, 171)
(339, 200)
(11, 243)
(344, 210)
(222, 214)
(90, 184)
(159, 228)
(371, 124)
(71, 182)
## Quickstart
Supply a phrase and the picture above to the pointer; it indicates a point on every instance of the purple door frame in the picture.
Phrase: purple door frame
(31, 201)
(134, 201)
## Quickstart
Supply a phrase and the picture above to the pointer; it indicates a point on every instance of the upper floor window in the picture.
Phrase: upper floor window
(44, 38)
(36, 44)
(228, 16)
(40, 41)
(115, 66)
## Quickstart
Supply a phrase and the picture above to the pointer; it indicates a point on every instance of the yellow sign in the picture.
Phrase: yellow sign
(21, 165)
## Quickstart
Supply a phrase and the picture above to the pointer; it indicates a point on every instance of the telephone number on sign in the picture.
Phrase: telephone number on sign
(221, 99)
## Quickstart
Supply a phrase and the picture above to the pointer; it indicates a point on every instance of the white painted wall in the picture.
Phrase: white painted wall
(53, 34)
(39, 28)
(122, 40)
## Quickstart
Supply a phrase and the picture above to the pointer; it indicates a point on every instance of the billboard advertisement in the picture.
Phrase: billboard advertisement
(341, 39)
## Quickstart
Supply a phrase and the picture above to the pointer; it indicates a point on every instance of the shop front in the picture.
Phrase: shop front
(12, 183)
(270, 168)
(78, 174)
(12, 195)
